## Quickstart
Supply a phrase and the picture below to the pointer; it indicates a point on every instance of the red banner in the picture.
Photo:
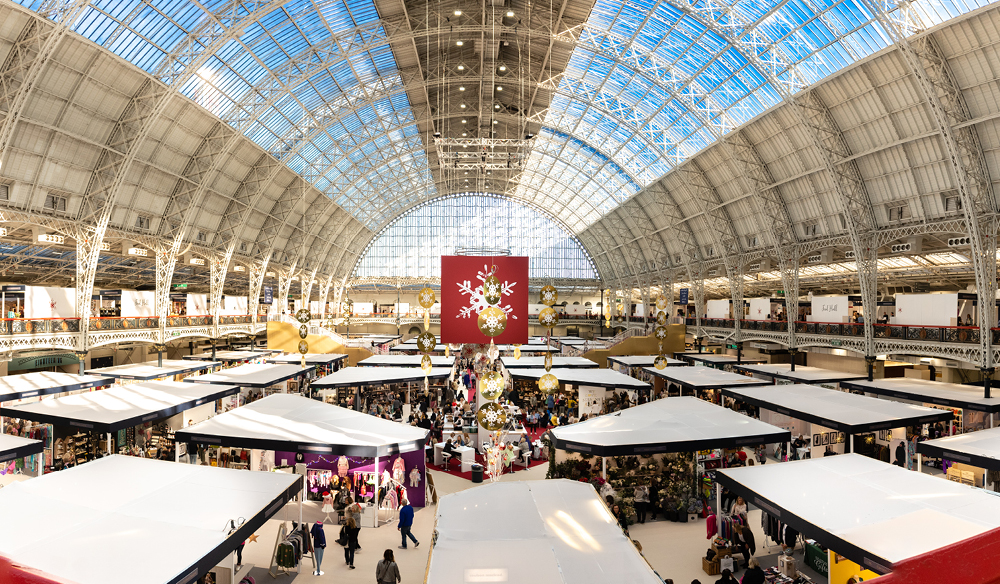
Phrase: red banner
(462, 298)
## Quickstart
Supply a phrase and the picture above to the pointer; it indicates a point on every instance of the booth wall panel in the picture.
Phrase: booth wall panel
(48, 302)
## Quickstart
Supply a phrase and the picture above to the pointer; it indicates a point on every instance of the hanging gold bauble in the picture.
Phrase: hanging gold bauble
(447, 351)
(661, 318)
(548, 317)
(548, 295)
(426, 342)
(303, 316)
(492, 385)
(517, 352)
(303, 347)
(492, 290)
(425, 363)
(427, 298)
(427, 319)
(661, 303)
(493, 352)
(303, 331)
(548, 361)
(492, 321)
(548, 382)
(660, 362)
(491, 416)
(660, 333)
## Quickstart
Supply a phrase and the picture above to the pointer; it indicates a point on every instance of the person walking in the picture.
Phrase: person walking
(405, 523)
(354, 511)
(319, 545)
(641, 502)
(349, 534)
(386, 571)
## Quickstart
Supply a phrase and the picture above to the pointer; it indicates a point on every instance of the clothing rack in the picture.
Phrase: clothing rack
(275, 570)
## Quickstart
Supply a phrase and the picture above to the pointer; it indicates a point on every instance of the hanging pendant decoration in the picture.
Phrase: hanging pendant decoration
(548, 361)
(548, 383)
(492, 321)
(491, 416)
(493, 352)
(427, 298)
(661, 302)
(427, 319)
(661, 318)
(303, 331)
(660, 362)
(492, 385)
(517, 351)
(426, 342)
(425, 363)
(492, 288)
(303, 316)
(660, 333)
(548, 295)
(303, 347)
(548, 317)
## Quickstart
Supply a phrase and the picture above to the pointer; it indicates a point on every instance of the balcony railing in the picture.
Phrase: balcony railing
(34, 326)
(941, 334)
(118, 323)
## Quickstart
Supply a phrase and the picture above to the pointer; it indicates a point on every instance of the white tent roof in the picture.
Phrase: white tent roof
(606, 378)
(405, 361)
(14, 387)
(311, 358)
(412, 347)
(232, 355)
(715, 358)
(254, 375)
(643, 360)
(572, 362)
(150, 369)
(297, 424)
(532, 531)
(980, 448)
(128, 520)
(704, 377)
(120, 406)
(801, 374)
(837, 410)
(362, 376)
(946, 394)
(12, 447)
(674, 424)
(871, 512)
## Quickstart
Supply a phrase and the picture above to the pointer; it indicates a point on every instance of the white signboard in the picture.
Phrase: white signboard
(926, 309)
(136, 303)
(759, 309)
(234, 305)
(197, 305)
(830, 309)
(363, 308)
(45, 302)
(717, 309)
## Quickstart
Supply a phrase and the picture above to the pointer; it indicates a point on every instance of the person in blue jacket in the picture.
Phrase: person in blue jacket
(405, 523)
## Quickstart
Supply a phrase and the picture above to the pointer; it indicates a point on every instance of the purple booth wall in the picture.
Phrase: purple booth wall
(410, 460)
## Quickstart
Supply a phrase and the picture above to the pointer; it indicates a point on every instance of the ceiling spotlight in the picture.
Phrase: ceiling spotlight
(496, 106)
(461, 88)
(464, 134)
(495, 122)
(461, 67)
(458, 13)
(467, 172)
(499, 87)
(529, 136)
(459, 43)
(463, 121)
(437, 134)
(462, 106)
(510, 14)
(503, 67)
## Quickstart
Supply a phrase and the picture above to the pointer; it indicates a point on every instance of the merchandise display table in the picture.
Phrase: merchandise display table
(466, 455)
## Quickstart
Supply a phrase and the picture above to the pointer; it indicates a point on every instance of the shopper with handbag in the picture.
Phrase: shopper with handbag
(349, 539)
(353, 510)
(386, 571)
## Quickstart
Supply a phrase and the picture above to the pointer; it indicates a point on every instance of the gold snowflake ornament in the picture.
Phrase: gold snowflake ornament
(427, 298)
(426, 342)
(491, 416)
(548, 382)
(660, 333)
(548, 317)
(492, 385)
(548, 295)
(492, 321)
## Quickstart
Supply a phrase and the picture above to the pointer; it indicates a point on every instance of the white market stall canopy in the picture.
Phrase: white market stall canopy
(254, 375)
(412, 348)
(231, 356)
(715, 359)
(405, 361)
(980, 448)
(952, 395)
(368, 376)
(873, 513)
(695, 378)
(643, 361)
(128, 520)
(837, 410)
(605, 378)
(673, 424)
(802, 374)
(551, 531)
(150, 369)
(12, 447)
(311, 358)
(15, 387)
(120, 406)
(535, 362)
(293, 423)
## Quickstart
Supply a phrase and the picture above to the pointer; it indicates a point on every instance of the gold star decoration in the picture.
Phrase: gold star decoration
(252, 538)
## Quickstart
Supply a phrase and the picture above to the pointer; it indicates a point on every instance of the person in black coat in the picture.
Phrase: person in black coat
(616, 510)
(745, 543)
(727, 578)
(754, 574)
(349, 532)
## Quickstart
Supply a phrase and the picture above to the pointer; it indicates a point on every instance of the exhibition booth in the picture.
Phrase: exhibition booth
(126, 520)
(716, 360)
(590, 387)
(405, 361)
(782, 373)
(168, 370)
(831, 421)
(558, 361)
(635, 366)
(703, 382)
(261, 380)
(339, 448)
(325, 363)
(234, 358)
(19, 456)
(346, 387)
(139, 419)
(972, 459)
(971, 409)
(532, 531)
(867, 514)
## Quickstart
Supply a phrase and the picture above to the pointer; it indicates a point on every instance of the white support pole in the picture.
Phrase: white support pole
(604, 468)
(852, 443)
(920, 462)
(378, 479)
(109, 442)
(991, 420)
(718, 501)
